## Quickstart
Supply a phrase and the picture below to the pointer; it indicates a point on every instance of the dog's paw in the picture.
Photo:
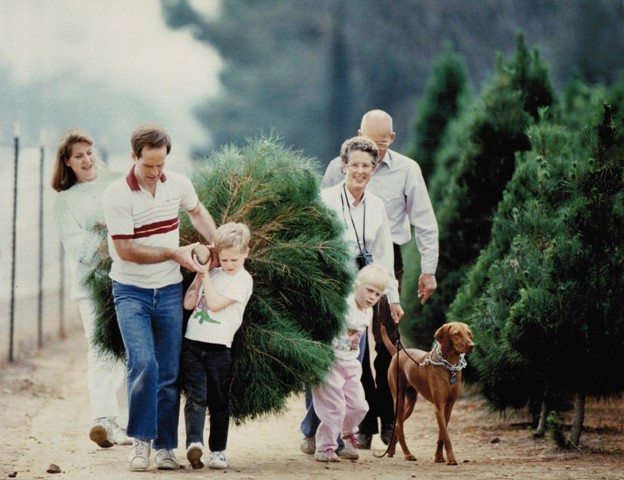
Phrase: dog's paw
(410, 458)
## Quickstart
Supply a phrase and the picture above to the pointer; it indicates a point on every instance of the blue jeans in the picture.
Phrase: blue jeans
(310, 422)
(150, 321)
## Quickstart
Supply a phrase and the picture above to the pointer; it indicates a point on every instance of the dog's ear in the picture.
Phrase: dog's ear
(442, 337)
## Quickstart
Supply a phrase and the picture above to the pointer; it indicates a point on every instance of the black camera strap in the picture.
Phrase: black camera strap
(344, 198)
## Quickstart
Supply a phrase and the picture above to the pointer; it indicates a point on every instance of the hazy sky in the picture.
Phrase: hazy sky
(121, 46)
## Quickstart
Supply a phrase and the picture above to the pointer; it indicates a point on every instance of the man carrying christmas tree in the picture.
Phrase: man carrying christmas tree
(141, 212)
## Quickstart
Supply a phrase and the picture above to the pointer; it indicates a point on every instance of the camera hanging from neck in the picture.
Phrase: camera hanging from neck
(364, 258)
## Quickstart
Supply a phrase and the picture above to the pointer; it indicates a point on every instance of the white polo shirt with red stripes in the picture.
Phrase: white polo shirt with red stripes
(133, 213)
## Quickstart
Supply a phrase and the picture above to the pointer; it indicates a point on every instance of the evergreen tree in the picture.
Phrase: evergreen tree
(546, 293)
(450, 151)
(445, 92)
(594, 276)
(496, 132)
(515, 265)
(298, 260)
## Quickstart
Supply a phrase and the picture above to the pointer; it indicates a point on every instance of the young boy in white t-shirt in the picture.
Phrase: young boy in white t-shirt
(339, 401)
(218, 297)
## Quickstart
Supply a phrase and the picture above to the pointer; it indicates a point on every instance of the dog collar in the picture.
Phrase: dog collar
(442, 362)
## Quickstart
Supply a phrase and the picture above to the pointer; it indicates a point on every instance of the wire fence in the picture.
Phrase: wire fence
(34, 299)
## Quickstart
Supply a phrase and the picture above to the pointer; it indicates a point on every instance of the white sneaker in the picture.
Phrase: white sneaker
(166, 460)
(139, 455)
(100, 433)
(218, 460)
(118, 434)
(308, 445)
(195, 455)
(350, 450)
(327, 456)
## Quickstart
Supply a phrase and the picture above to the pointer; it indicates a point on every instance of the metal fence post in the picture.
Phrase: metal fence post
(41, 252)
(13, 246)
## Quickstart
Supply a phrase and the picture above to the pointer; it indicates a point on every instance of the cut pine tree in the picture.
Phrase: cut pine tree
(300, 265)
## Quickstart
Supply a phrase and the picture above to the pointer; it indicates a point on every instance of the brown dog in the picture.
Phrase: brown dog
(436, 375)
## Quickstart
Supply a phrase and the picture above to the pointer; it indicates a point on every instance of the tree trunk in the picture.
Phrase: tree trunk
(579, 418)
(541, 426)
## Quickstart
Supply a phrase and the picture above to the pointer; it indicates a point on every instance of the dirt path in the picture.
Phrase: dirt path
(44, 419)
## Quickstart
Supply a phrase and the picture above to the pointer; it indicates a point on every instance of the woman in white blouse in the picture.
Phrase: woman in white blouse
(367, 233)
(363, 214)
(77, 211)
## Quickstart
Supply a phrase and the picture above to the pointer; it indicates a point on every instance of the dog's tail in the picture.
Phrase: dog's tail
(389, 346)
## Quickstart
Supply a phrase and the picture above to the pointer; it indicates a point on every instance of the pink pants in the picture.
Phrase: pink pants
(339, 403)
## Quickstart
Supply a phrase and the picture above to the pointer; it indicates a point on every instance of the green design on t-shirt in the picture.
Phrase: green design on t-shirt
(203, 316)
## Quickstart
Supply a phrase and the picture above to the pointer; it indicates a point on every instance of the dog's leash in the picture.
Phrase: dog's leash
(398, 346)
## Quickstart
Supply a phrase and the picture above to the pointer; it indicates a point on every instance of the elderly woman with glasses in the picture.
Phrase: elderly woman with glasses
(367, 233)
(363, 214)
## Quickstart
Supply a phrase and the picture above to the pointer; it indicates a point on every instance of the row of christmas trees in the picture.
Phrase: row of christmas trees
(529, 195)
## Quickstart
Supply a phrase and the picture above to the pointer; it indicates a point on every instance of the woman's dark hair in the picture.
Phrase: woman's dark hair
(64, 177)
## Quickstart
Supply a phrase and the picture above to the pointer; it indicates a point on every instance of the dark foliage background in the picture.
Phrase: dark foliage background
(311, 68)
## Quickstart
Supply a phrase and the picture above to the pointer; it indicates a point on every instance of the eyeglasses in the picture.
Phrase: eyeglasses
(367, 167)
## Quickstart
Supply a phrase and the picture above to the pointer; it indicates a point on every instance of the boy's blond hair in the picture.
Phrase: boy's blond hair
(372, 275)
(232, 235)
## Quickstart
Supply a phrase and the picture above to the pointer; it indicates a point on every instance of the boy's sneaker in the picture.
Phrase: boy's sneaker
(100, 433)
(139, 455)
(118, 435)
(327, 456)
(350, 450)
(308, 445)
(218, 460)
(195, 455)
(165, 459)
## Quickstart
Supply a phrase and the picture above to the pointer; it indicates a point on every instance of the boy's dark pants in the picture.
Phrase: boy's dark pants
(206, 371)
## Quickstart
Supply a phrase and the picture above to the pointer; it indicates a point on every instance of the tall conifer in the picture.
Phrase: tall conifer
(486, 163)
(517, 259)
(545, 296)
(446, 95)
